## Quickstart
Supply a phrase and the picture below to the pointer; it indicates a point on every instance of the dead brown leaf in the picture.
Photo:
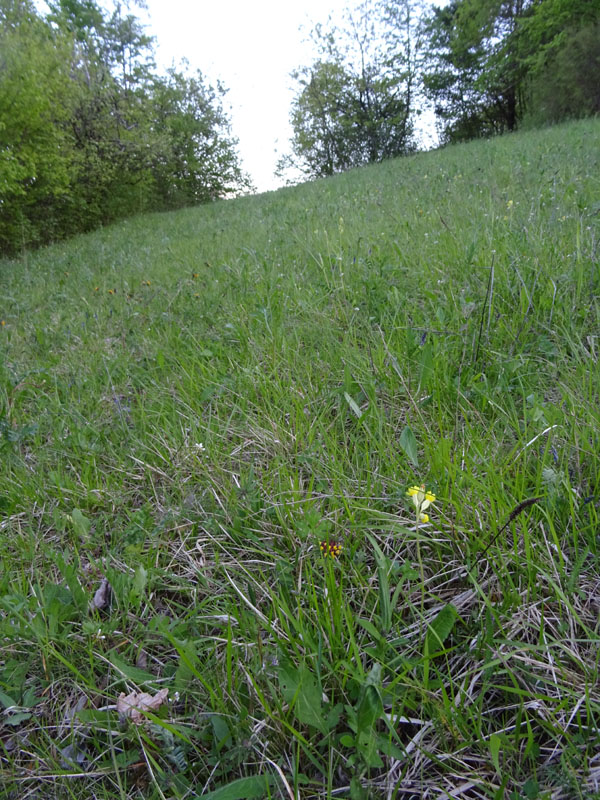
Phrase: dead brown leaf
(102, 597)
(133, 705)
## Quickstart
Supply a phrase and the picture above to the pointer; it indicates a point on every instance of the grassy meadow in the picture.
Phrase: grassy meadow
(214, 580)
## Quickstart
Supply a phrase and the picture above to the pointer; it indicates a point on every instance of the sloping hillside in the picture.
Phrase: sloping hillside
(214, 427)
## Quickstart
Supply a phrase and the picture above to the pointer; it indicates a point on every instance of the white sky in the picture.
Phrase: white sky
(251, 46)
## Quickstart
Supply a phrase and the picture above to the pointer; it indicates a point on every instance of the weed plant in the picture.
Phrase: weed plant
(209, 421)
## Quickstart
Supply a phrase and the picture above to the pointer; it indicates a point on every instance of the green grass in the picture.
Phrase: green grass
(191, 402)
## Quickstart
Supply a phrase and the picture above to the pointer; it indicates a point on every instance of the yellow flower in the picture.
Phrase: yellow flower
(422, 499)
(331, 549)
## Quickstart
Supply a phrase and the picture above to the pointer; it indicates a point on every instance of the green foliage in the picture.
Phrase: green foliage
(195, 161)
(474, 76)
(35, 101)
(565, 83)
(300, 688)
(492, 62)
(89, 132)
(242, 789)
(324, 129)
(408, 443)
(354, 104)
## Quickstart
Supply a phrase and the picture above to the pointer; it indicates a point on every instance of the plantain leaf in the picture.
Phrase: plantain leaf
(353, 405)
(81, 524)
(242, 789)
(301, 690)
(495, 742)
(408, 443)
(439, 630)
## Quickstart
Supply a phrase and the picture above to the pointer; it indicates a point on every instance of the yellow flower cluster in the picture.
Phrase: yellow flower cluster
(331, 549)
(422, 499)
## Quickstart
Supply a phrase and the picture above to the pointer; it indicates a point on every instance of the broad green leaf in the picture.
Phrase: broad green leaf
(357, 790)
(370, 706)
(93, 715)
(371, 629)
(531, 789)
(408, 443)
(367, 747)
(387, 748)
(353, 405)
(333, 717)
(495, 742)
(140, 579)
(242, 789)
(81, 524)
(301, 689)
(134, 674)
(383, 570)
(6, 700)
(374, 676)
(221, 731)
(17, 719)
(439, 630)
(385, 609)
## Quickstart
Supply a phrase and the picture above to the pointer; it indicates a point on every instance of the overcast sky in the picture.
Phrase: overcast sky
(251, 46)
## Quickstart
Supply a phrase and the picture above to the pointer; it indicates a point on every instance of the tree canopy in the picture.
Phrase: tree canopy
(493, 63)
(89, 131)
(355, 102)
(486, 66)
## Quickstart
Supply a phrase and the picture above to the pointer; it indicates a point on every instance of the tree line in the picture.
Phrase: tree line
(91, 132)
(483, 66)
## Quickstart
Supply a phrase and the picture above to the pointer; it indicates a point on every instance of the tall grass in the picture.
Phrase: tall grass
(195, 407)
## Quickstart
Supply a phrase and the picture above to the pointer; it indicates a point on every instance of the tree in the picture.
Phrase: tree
(89, 132)
(487, 58)
(560, 45)
(195, 160)
(354, 104)
(567, 82)
(112, 67)
(325, 133)
(35, 144)
(474, 76)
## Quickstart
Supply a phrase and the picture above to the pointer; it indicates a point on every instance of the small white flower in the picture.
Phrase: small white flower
(199, 447)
